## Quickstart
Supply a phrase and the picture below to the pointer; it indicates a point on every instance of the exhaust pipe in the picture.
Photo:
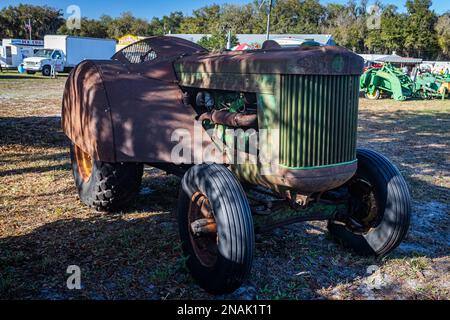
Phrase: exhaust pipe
(231, 119)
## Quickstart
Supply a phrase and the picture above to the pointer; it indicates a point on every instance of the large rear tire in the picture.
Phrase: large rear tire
(105, 186)
(381, 207)
(220, 250)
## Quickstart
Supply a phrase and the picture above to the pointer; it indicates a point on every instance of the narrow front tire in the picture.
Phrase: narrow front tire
(380, 205)
(216, 228)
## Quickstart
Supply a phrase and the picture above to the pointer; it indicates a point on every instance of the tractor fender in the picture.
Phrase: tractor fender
(117, 114)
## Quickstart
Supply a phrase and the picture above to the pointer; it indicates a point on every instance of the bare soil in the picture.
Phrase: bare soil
(136, 255)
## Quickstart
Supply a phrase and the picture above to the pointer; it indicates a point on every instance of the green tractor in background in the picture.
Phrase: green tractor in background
(387, 79)
(433, 86)
(393, 82)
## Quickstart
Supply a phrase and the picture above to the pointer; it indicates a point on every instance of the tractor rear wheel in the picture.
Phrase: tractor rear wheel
(373, 96)
(216, 228)
(102, 185)
(380, 207)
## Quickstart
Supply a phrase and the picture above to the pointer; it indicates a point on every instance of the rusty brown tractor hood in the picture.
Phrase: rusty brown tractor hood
(318, 60)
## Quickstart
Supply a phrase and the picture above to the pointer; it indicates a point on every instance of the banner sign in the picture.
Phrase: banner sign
(129, 39)
(24, 42)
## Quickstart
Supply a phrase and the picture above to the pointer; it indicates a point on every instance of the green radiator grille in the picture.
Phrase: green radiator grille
(318, 121)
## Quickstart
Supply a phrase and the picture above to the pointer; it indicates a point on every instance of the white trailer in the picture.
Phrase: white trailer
(14, 51)
(63, 52)
(77, 49)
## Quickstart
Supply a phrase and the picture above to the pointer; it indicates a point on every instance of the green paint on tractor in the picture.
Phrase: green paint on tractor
(433, 86)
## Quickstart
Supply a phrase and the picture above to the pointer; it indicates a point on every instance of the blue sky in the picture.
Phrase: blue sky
(157, 8)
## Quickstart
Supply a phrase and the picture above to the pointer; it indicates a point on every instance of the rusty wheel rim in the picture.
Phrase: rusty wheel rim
(205, 241)
(84, 164)
(365, 215)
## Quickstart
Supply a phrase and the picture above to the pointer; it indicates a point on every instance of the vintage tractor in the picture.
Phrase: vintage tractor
(274, 143)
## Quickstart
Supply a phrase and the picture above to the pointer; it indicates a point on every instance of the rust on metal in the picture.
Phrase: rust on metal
(231, 119)
(304, 181)
(317, 60)
(86, 115)
(84, 163)
(365, 212)
(204, 226)
(203, 233)
(118, 111)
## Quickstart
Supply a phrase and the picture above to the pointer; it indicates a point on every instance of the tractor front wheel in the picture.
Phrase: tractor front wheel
(102, 185)
(216, 228)
(380, 207)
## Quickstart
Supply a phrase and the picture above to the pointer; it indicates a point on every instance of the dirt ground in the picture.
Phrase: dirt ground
(136, 255)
